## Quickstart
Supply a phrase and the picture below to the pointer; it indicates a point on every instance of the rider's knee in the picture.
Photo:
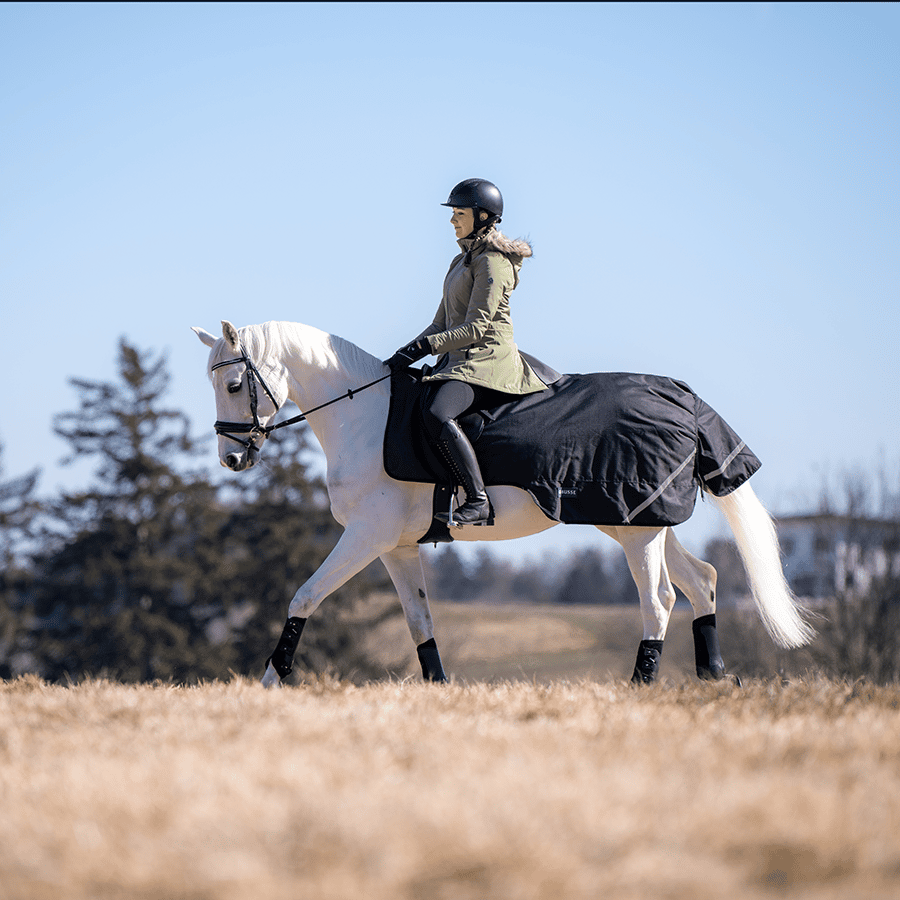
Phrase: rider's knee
(434, 422)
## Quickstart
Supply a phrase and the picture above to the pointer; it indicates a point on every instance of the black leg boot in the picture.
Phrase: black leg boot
(430, 660)
(647, 664)
(282, 659)
(707, 655)
(463, 464)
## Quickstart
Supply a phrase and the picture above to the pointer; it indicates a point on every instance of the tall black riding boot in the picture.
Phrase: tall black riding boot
(460, 457)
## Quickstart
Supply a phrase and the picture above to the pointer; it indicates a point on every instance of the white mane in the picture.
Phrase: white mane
(356, 357)
(272, 341)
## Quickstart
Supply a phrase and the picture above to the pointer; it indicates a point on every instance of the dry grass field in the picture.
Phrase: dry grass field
(533, 642)
(524, 789)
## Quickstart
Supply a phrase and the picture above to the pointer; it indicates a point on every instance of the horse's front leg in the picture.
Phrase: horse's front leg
(645, 551)
(404, 565)
(359, 545)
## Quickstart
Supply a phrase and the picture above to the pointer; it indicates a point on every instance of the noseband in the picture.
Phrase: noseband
(255, 428)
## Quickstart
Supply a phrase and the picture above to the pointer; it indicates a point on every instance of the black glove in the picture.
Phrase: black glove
(409, 354)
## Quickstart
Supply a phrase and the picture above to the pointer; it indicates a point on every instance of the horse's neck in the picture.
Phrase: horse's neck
(320, 362)
(321, 367)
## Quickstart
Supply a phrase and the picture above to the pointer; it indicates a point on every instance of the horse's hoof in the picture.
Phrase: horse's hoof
(717, 674)
(271, 679)
(711, 673)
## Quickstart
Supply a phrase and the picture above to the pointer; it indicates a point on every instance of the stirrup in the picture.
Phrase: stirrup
(472, 512)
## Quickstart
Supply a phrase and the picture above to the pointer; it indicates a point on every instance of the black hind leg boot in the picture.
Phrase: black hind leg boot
(708, 656)
(647, 664)
(463, 464)
(430, 659)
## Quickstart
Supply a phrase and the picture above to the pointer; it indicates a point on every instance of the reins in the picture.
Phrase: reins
(229, 429)
(268, 429)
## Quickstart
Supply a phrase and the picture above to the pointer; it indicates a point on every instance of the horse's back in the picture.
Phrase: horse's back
(607, 448)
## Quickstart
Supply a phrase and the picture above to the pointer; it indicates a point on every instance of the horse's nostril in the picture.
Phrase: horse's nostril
(232, 460)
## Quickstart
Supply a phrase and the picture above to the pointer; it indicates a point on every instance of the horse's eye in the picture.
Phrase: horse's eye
(234, 387)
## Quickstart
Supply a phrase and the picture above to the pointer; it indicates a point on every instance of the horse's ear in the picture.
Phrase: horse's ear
(204, 335)
(230, 333)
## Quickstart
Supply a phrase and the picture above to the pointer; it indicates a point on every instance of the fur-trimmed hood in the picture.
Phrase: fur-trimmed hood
(515, 249)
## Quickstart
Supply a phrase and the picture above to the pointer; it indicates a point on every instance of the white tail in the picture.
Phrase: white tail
(757, 542)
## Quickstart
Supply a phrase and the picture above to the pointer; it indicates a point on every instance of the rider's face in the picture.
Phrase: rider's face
(463, 221)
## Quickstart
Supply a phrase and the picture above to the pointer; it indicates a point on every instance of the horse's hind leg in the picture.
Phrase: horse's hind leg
(404, 565)
(645, 551)
(698, 581)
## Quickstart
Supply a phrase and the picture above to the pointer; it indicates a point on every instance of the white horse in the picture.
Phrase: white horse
(385, 518)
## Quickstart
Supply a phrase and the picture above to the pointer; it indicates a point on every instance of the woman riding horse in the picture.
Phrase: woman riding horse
(480, 365)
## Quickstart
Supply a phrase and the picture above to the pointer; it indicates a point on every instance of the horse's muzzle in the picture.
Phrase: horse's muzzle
(239, 460)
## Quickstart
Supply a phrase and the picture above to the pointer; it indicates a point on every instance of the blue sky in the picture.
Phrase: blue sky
(711, 190)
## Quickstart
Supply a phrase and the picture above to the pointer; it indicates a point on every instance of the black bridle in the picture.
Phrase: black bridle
(255, 428)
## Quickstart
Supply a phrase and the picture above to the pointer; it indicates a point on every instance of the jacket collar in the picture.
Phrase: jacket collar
(492, 239)
(468, 244)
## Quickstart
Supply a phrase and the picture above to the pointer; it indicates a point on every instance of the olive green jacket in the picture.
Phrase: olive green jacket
(472, 331)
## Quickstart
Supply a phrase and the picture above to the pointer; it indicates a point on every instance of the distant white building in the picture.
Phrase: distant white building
(824, 553)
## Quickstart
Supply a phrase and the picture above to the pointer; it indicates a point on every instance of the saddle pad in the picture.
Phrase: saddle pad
(611, 448)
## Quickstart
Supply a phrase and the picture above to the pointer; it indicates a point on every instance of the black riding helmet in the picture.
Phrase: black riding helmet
(478, 194)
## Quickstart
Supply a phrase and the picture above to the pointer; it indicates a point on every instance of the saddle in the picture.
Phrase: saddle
(610, 448)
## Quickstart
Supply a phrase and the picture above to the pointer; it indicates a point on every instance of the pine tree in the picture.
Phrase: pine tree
(115, 590)
(154, 572)
(18, 511)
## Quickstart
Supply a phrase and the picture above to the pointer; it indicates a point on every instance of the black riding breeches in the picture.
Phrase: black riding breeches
(451, 399)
